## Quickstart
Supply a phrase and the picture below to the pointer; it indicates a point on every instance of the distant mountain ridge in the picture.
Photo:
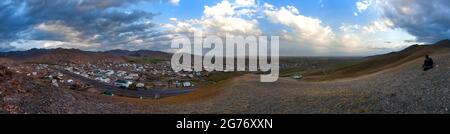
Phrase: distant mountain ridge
(138, 53)
(77, 56)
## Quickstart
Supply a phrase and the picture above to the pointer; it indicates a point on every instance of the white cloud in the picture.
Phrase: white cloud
(182, 27)
(173, 19)
(351, 42)
(306, 29)
(71, 38)
(175, 2)
(56, 27)
(245, 3)
(378, 26)
(362, 5)
(300, 34)
(224, 8)
(376, 37)
(221, 19)
(345, 28)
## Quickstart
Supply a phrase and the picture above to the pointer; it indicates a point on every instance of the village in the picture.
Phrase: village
(126, 76)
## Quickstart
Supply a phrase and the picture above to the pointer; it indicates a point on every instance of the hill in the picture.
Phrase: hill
(51, 56)
(378, 63)
(138, 53)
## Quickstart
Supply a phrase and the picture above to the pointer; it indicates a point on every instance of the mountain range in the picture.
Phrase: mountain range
(76, 55)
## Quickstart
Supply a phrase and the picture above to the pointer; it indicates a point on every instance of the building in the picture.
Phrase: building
(121, 73)
(132, 76)
(123, 83)
(187, 84)
(109, 72)
(103, 79)
(140, 85)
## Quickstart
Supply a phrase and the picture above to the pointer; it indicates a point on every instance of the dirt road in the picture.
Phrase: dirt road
(151, 93)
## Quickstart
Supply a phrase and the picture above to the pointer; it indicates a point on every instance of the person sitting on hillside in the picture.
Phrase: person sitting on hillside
(428, 63)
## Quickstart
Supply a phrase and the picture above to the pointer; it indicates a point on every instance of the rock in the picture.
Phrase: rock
(5, 74)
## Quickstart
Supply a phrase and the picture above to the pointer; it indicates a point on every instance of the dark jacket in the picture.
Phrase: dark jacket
(428, 64)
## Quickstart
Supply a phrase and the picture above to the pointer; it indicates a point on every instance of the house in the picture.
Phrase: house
(128, 77)
(297, 77)
(140, 85)
(123, 83)
(103, 79)
(121, 73)
(140, 69)
(132, 76)
(187, 84)
(109, 72)
(178, 84)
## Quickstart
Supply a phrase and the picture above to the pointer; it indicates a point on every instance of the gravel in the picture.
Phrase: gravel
(404, 89)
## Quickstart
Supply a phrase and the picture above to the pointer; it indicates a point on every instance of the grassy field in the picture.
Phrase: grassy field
(314, 65)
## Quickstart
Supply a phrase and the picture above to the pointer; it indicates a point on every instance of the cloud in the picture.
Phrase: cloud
(81, 22)
(174, 2)
(346, 28)
(378, 36)
(232, 18)
(362, 5)
(246, 3)
(118, 24)
(378, 26)
(429, 21)
(300, 34)
(304, 29)
(67, 33)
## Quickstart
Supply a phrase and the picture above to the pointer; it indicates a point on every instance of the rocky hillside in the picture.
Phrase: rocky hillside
(378, 63)
(21, 94)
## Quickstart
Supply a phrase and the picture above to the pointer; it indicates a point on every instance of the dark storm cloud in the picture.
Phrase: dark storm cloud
(428, 20)
(109, 21)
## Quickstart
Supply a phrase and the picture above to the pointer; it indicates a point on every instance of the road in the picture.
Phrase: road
(151, 93)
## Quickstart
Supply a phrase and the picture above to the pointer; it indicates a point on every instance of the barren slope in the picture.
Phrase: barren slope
(378, 63)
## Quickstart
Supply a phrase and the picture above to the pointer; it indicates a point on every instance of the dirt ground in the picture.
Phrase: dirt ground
(403, 89)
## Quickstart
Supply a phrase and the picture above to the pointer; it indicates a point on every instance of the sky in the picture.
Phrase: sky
(305, 27)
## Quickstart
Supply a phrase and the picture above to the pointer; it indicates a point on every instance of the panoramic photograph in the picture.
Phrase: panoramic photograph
(224, 57)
